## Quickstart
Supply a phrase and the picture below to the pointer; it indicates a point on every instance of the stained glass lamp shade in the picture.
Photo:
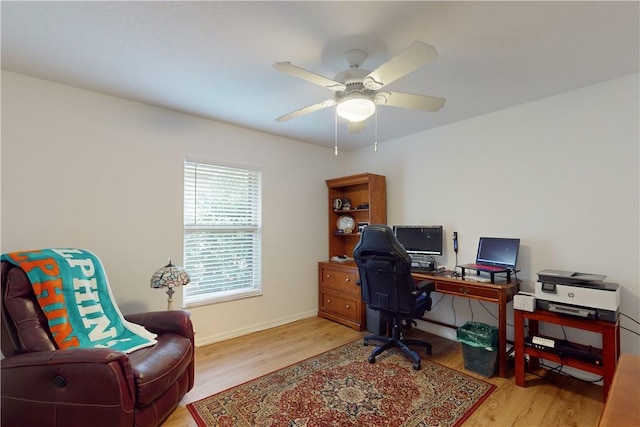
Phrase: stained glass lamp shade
(170, 276)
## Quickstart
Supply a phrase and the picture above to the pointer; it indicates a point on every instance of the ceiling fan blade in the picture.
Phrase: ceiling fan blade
(307, 110)
(410, 59)
(355, 127)
(301, 73)
(408, 100)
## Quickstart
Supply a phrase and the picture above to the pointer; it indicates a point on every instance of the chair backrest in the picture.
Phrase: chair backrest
(385, 271)
(24, 326)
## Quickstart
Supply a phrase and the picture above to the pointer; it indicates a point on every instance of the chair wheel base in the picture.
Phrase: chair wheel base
(384, 343)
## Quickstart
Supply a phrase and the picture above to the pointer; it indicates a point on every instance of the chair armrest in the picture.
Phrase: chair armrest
(425, 286)
(162, 322)
(87, 376)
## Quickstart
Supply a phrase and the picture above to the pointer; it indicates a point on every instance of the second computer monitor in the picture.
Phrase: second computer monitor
(420, 239)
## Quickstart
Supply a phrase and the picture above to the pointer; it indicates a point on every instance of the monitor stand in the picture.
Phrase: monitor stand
(491, 273)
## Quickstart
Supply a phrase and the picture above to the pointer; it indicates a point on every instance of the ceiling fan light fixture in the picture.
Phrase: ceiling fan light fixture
(356, 108)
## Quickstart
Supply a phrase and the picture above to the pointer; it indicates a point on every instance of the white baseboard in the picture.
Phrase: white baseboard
(202, 341)
(435, 329)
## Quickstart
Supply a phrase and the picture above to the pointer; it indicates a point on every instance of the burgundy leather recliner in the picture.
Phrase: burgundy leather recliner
(87, 387)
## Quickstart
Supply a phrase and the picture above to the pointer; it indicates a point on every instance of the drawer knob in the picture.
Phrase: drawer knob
(347, 279)
(328, 276)
(464, 290)
(347, 306)
(328, 301)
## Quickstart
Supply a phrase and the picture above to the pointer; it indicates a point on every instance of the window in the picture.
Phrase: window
(222, 232)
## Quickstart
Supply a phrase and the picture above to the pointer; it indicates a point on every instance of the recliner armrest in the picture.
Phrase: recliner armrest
(162, 322)
(425, 286)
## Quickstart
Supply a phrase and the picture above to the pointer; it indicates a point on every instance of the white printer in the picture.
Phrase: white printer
(577, 294)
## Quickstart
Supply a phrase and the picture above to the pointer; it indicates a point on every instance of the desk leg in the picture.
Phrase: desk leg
(518, 336)
(534, 362)
(502, 334)
(609, 355)
(617, 340)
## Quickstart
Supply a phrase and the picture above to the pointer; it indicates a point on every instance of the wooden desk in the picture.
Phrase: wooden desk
(499, 293)
(610, 332)
(623, 405)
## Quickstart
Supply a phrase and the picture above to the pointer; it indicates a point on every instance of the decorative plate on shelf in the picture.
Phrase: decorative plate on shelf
(346, 223)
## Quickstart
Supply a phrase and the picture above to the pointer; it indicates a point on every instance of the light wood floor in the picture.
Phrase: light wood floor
(551, 401)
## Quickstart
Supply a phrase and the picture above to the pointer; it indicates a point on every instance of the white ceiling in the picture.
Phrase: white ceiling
(214, 59)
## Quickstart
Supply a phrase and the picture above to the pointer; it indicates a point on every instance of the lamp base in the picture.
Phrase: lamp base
(170, 293)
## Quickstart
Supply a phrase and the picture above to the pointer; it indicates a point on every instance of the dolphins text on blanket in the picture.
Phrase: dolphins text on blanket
(87, 300)
(74, 295)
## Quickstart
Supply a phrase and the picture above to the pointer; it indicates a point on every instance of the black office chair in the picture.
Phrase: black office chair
(387, 286)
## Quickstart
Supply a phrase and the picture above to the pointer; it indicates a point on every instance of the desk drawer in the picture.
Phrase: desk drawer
(341, 305)
(467, 290)
(340, 278)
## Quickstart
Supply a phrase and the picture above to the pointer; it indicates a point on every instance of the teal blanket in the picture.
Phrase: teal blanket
(73, 291)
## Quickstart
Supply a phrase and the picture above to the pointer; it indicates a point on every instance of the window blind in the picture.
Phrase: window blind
(222, 234)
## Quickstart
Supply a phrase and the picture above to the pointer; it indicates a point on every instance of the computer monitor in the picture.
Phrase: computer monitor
(421, 240)
(498, 252)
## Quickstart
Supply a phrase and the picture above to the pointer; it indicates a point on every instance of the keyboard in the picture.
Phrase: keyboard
(421, 270)
(477, 279)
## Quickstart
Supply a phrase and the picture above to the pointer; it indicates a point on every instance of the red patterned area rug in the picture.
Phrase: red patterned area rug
(341, 388)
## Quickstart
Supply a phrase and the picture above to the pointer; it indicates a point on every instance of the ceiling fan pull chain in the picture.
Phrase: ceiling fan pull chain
(335, 146)
(375, 144)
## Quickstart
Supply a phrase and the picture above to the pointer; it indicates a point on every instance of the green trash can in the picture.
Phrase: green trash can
(479, 347)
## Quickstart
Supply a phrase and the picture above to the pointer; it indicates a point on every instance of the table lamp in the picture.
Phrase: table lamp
(170, 276)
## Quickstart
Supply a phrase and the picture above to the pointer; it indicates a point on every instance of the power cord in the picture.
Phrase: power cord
(629, 317)
(438, 302)
(491, 314)
(434, 305)
(453, 308)
(559, 370)
(627, 329)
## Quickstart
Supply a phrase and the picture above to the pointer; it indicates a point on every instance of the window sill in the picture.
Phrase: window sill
(221, 297)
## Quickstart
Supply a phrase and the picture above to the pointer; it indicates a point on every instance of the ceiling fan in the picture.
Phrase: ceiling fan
(357, 91)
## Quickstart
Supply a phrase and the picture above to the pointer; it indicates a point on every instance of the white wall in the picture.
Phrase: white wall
(562, 174)
(82, 169)
(89, 170)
